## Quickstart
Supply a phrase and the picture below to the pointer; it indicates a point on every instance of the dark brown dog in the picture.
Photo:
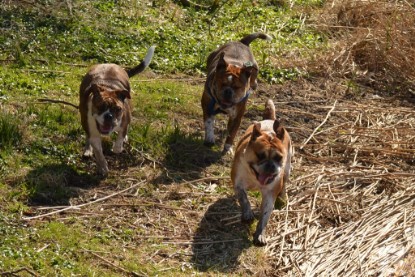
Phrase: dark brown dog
(232, 74)
(104, 104)
(262, 162)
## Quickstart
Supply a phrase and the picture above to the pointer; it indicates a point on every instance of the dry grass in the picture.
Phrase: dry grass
(374, 42)
(351, 209)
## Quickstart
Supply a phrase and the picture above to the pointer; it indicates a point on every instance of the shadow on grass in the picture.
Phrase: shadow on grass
(55, 184)
(220, 238)
(186, 157)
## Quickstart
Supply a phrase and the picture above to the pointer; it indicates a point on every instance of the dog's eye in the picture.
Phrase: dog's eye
(116, 109)
(277, 158)
(261, 156)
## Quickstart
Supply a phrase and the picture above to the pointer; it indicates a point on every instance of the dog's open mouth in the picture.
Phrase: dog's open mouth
(264, 178)
(104, 129)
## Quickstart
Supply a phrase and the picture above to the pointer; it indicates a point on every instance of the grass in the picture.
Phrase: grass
(10, 131)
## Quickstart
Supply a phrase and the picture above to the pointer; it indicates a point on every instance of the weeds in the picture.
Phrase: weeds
(10, 133)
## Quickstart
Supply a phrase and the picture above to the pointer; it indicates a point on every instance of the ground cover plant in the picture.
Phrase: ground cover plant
(340, 74)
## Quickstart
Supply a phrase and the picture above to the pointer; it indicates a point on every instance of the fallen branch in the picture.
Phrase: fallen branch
(321, 124)
(111, 263)
(47, 100)
(200, 242)
(14, 272)
(82, 205)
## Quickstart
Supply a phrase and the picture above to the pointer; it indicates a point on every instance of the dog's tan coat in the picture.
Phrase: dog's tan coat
(262, 162)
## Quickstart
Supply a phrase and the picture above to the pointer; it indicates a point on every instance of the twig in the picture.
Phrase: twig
(82, 205)
(14, 272)
(321, 124)
(200, 242)
(108, 262)
(43, 248)
(146, 204)
(45, 100)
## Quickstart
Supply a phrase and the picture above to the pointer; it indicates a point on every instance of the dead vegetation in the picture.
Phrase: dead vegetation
(351, 209)
(373, 43)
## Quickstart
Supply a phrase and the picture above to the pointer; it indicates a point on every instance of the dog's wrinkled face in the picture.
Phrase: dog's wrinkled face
(232, 82)
(108, 108)
(266, 154)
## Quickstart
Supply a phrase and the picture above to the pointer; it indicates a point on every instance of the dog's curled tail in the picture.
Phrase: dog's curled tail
(249, 38)
(269, 112)
(139, 68)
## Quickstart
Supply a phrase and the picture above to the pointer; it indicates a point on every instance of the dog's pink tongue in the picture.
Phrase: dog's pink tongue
(105, 128)
(263, 178)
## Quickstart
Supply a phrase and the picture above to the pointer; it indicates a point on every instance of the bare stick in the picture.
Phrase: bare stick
(321, 124)
(200, 242)
(45, 100)
(82, 205)
(14, 272)
(108, 262)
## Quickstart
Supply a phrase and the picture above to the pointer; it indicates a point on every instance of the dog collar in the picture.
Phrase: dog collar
(213, 102)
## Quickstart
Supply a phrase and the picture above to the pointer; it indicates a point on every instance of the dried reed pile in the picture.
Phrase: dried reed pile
(374, 41)
(351, 208)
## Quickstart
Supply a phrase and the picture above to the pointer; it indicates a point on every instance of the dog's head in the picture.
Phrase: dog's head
(232, 82)
(108, 107)
(267, 152)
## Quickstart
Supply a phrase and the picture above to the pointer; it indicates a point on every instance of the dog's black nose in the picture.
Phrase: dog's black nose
(227, 93)
(270, 167)
(108, 117)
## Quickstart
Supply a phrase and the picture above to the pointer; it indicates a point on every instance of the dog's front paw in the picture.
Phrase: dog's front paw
(260, 240)
(247, 217)
(209, 143)
(103, 171)
(88, 152)
(227, 150)
(117, 148)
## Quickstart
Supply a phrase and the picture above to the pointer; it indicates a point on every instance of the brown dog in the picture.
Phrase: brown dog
(262, 162)
(232, 74)
(104, 104)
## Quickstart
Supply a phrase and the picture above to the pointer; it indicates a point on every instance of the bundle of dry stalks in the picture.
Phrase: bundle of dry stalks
(374, 42)
(351, 212)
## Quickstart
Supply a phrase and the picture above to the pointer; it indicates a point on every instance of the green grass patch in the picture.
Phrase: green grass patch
(184, 37)
(10, 133)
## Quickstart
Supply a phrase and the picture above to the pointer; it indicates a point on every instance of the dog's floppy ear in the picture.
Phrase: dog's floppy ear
(248, 69)
(279, 130)
(122, 94)
(256, 132)
(96, 90)
(222, 65)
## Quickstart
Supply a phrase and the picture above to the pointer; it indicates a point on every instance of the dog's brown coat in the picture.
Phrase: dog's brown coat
(105, 106)
(232, 74)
